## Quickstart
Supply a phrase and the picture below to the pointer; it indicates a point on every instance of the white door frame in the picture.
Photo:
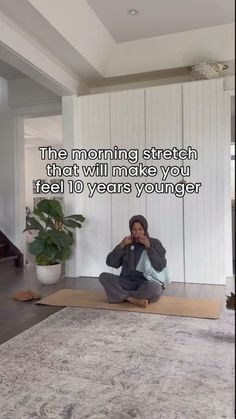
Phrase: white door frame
(20, 51)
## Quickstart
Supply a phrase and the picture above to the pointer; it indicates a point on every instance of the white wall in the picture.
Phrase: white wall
(119, 118)
(26, 91)
(229, 82)
(35, 169)
(3, 94)
(7, 181)
(207, 213)
(7, 203)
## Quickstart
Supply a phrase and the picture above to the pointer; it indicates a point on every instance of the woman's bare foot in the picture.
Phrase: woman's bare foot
(141, 302)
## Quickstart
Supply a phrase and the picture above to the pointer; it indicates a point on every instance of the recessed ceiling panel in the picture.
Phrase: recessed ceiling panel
(160, 17)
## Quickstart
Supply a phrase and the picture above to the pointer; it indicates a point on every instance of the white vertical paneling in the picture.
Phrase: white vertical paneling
(227, 188)
(128, 132)
(193, 228)
(70, 140)
(204, 213)
(165, 211)
(95, 236)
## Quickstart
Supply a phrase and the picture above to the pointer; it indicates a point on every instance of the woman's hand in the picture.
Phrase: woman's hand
(145, 240)
(126, 240)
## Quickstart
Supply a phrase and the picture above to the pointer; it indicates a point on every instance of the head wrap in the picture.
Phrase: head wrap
(141, 220)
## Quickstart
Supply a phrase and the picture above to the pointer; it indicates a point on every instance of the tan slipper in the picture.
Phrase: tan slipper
(27, 295)
(33, 294)
(22, 296)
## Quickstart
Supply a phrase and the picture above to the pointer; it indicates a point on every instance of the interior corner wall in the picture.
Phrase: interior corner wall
(27, 92)
(7, 181)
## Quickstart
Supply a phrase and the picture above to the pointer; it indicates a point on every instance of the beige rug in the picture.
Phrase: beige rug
(83, 363)
(173, 306)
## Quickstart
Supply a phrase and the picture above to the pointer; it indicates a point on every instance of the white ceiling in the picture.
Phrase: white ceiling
(160, 17)
(77, 43)
(26, 17)
(43, 131)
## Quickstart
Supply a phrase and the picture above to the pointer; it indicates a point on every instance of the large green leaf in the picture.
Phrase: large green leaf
(32, 224)
(77, 217)
(36, 247)
(72, 224)
(50, 252)
(61, 238)
(57, 210)
(46, 219)
(51, 207)
(45, 206)
(65, 254)
(44, 235)
(57, 237)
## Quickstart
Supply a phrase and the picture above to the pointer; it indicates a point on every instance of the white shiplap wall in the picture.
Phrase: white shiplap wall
(128, 132)
(191, 229)
(95, 236)
(165, 211)
(204, 213)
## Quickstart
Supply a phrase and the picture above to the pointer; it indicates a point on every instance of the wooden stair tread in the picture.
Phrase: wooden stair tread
(6, 258)
(9, 253)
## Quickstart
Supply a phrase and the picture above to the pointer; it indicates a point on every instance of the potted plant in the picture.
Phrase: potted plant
(52, 244)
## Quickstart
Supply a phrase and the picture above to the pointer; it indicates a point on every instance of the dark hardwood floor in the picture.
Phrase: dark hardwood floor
(15, 317)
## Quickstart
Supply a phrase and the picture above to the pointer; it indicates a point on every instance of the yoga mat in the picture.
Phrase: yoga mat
(173, 306)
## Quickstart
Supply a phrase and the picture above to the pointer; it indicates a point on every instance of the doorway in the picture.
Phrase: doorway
(39, 132)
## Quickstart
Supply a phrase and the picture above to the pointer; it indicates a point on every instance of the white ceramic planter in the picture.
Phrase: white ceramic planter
(48, 274)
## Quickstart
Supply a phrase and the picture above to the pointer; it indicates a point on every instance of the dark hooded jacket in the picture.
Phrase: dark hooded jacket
(129, 256)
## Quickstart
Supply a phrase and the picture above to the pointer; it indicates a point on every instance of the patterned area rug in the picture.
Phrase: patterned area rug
(98, 364)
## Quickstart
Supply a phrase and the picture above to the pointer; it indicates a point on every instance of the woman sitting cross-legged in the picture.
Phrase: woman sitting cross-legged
(143, 262)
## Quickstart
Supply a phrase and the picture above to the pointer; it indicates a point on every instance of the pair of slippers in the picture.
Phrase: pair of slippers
(26, 295)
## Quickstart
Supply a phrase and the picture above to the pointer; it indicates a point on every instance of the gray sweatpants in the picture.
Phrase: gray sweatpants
(118, 288)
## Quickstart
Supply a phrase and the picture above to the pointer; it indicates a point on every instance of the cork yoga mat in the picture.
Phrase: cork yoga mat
(173, 306)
